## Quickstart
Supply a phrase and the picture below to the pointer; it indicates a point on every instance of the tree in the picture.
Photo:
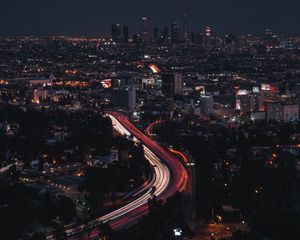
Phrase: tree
(38, 236)
(66, 209)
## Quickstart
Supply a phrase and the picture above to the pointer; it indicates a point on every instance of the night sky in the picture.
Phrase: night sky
(94, 17)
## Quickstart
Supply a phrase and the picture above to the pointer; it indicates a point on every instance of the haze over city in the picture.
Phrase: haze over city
(77, 17)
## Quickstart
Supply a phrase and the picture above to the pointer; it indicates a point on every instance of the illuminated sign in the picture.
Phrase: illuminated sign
(238, 104)
(255, 89)
(106, 83)
(177, 232)
(154, 68)
(265, 87)
(200, 88)
(242, 92)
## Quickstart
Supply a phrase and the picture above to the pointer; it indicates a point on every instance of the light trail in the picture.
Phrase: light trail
(169, 175)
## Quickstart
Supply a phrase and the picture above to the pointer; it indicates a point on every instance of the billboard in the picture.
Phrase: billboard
(255, 89)
(154, 68)
(242, 92)
(265, 87)
(106, 83)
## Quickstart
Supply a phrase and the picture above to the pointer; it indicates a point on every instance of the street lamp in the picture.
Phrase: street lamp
(177, 232)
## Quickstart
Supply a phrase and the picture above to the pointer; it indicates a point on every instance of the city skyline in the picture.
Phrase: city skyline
(94, 18)
(161, 120)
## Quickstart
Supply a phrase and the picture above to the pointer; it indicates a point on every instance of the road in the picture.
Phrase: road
(169, 177)
(151, 125)
(3, 169)
(179, 176)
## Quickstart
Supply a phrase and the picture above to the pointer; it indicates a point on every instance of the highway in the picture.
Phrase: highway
(169, 176)
(170, 172)
(3, 169)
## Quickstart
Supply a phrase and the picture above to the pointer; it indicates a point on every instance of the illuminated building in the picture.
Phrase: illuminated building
(185, 29)
(207, 41)
(172, 84)
(270, 39)
(32, 81)
(125, 98)
(155, 34)
(206, 104)
(208, 32)
(282, 111)
(40, 94)
(116, 32)
(247, 101)
(174, 32)
(144, 29)
(229, 42)
(164, 35)
(131, 99)
(125, 33)
(197, 38)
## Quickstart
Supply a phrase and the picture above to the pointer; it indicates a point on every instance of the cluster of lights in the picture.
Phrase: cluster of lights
(60, 186)
(73, 84)
(70, 71)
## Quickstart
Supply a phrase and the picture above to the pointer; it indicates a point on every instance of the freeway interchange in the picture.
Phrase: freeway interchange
(169, 176)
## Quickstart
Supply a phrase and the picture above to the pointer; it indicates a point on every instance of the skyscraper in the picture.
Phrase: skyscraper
(270, 39)
(116, 32)
(125, 33)
(144, 29)
(207, 42)
(155, 34)
(186, 30)
(206, 104)
(164, 35)
(196, 38)
(172, 84)
(174, 32)
(125, 98)
(268, 32)
(131, 98)
(229, 41)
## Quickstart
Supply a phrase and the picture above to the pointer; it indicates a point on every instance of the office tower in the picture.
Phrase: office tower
(270, 39)
(40, 94)
(196, 38)
(136, 38)
(185, 30)
(282, 111)
(125, 98)
(229, 41)
(177, 83)
(131, 98)
(174, 32)
(144, 29)
(268, 36)
(116, 32)
(164, 35)
(155, 34)
(207, 41)
(172, 84)
(268, 32)
(206, 104)
(208, 32)
(125, 33)
(247, 103)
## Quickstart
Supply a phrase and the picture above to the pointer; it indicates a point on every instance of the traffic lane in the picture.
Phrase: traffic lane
(178, 171)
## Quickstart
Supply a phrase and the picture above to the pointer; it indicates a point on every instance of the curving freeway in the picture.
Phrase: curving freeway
(170, 172)
(169, 176)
